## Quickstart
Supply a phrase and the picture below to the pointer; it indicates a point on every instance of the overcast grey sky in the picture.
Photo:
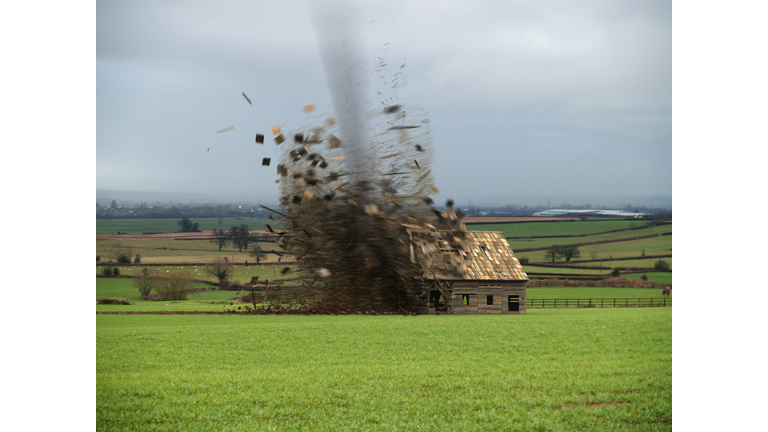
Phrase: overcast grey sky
(528, 98)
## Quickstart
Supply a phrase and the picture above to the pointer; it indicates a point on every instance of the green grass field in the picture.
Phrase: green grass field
(154, 251)
(536, 243)
(165, 252)
(549, 370)
(632, 248)
(591, 293)
(123, 287)
(139, 226)
(530, 229)
(665, 278)
(216, 300)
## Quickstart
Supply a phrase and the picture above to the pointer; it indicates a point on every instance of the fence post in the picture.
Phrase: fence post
(614, 302)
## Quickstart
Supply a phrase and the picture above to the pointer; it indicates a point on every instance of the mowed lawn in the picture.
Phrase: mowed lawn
(557, 370)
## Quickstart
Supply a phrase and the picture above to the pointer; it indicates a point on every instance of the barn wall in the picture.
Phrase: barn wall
(478, 292)
(485, 289)
(459, 289)
(518, 289)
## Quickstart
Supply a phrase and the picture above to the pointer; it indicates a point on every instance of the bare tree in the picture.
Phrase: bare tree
(569, 252)
(219, 268)
(121, 253)
(240, 236)
(593, 255)
(175, 286)
(234, 234)
(257, 253)
(221, 237)
(146, 282)
(552, 253)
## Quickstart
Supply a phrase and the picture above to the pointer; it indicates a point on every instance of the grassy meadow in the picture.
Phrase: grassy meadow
(240, 272)
(169, 225)
(531, 229)
(167, 251)
(549, 370)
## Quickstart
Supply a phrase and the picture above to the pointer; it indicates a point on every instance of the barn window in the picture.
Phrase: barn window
(490, 299)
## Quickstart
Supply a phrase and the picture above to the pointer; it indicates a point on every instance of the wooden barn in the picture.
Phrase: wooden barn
(493, 281)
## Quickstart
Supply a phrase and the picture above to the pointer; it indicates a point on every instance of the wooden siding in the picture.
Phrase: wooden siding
(478, 292)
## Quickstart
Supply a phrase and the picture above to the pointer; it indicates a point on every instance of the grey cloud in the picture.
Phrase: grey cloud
(534, 97)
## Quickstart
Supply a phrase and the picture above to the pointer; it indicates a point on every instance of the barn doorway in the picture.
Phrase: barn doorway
(437, 300)
(514, 303)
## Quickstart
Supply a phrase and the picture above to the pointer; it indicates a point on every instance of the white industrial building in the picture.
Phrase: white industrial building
(607, 213)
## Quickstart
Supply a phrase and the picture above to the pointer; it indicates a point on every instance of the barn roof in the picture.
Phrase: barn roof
(489, 257)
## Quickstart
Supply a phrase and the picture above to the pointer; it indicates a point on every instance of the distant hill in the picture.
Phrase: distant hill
(105, 197)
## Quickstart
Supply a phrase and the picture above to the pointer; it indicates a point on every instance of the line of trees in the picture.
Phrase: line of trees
(239, 236)
(565, 252)
(186, 225)
(172, 287)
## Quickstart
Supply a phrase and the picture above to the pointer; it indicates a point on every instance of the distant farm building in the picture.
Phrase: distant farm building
(492, 283)
(605, 213)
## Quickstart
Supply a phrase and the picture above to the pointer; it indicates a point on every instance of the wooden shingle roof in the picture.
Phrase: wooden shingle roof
(491, 258)
(488, 257)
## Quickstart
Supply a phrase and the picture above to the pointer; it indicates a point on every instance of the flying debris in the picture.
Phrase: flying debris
(231, 128)
(265, 161)
(259, 139)
(246, 98)
(209, 149)
(356, 217)
(391, 109)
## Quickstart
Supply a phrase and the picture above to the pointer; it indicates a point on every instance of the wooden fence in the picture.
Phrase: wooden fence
(597, 303)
